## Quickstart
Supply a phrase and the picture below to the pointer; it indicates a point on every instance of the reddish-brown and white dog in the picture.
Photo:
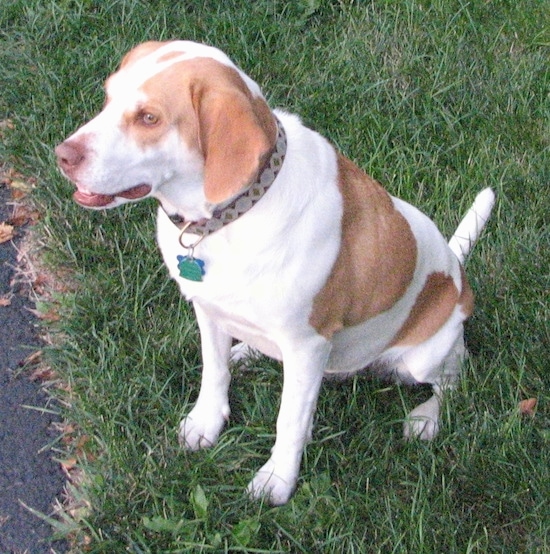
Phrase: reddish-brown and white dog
(278, 240)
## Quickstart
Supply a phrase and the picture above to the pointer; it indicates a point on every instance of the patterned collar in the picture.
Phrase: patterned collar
(246, 200)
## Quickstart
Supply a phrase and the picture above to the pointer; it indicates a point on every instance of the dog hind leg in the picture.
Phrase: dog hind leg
(423, 421)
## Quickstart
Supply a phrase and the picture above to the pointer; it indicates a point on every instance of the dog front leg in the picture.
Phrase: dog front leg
(202, 427)
(303, 370)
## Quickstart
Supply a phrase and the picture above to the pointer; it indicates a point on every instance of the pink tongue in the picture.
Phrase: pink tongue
(136, 192)
(92, 200)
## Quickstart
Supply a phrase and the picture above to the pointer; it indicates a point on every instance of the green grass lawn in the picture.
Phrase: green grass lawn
(436, 99)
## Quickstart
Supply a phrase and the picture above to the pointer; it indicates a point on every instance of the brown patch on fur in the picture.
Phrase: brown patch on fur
(377, 256)
(171, 55)
(433, 307)
(140, 51)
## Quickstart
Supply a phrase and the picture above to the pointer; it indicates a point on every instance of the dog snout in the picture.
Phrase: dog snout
(70, 156)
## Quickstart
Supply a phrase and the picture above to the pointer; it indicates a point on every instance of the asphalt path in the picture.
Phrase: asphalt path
(28, 473)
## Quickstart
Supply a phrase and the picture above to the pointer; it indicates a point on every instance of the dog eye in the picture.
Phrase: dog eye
(149, 119)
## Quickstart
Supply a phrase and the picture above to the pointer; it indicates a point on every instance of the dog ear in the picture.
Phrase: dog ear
(236, 135)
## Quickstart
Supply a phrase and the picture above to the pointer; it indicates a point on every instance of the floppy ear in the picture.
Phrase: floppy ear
(236, 135)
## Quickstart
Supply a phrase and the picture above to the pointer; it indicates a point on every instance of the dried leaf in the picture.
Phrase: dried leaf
(82, 448)
(67, 433)
(8, 174)
(22, 186)
(33, 358)
(6, 124)
(40, 283)
(6, 232)
(69, 428)
(43, 373)
(527, 407)
(5, 300)
(23, 214)
(49, 315)
(68, 465)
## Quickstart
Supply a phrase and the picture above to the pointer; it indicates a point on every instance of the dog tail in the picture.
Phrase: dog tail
(472, 224)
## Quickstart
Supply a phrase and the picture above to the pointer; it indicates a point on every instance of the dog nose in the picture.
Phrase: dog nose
(70, 154)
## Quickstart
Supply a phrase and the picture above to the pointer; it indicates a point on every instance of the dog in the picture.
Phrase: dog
(279, 242)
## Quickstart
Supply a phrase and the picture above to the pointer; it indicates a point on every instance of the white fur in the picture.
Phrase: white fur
(264, 270)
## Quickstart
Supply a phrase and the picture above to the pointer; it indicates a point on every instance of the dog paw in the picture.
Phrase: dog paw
(421, 428)
(271, 485)
(423, 421)
(241, 354)
(201, 428)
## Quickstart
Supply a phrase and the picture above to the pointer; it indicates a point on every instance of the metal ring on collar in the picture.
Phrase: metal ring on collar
(192, 245)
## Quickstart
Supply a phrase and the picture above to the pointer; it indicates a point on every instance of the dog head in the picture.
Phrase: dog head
(181, 123)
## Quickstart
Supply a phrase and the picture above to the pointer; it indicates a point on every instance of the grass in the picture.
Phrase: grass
(436, 100)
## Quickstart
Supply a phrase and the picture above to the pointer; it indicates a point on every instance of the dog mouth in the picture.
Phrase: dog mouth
(95, 200)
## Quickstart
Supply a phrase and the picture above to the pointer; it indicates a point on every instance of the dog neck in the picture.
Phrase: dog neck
(226, 213)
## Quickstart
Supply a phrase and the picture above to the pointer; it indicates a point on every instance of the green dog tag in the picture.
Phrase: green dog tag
(190, 268)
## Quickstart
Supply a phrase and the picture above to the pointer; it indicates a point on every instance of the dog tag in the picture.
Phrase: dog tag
(190, 268)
